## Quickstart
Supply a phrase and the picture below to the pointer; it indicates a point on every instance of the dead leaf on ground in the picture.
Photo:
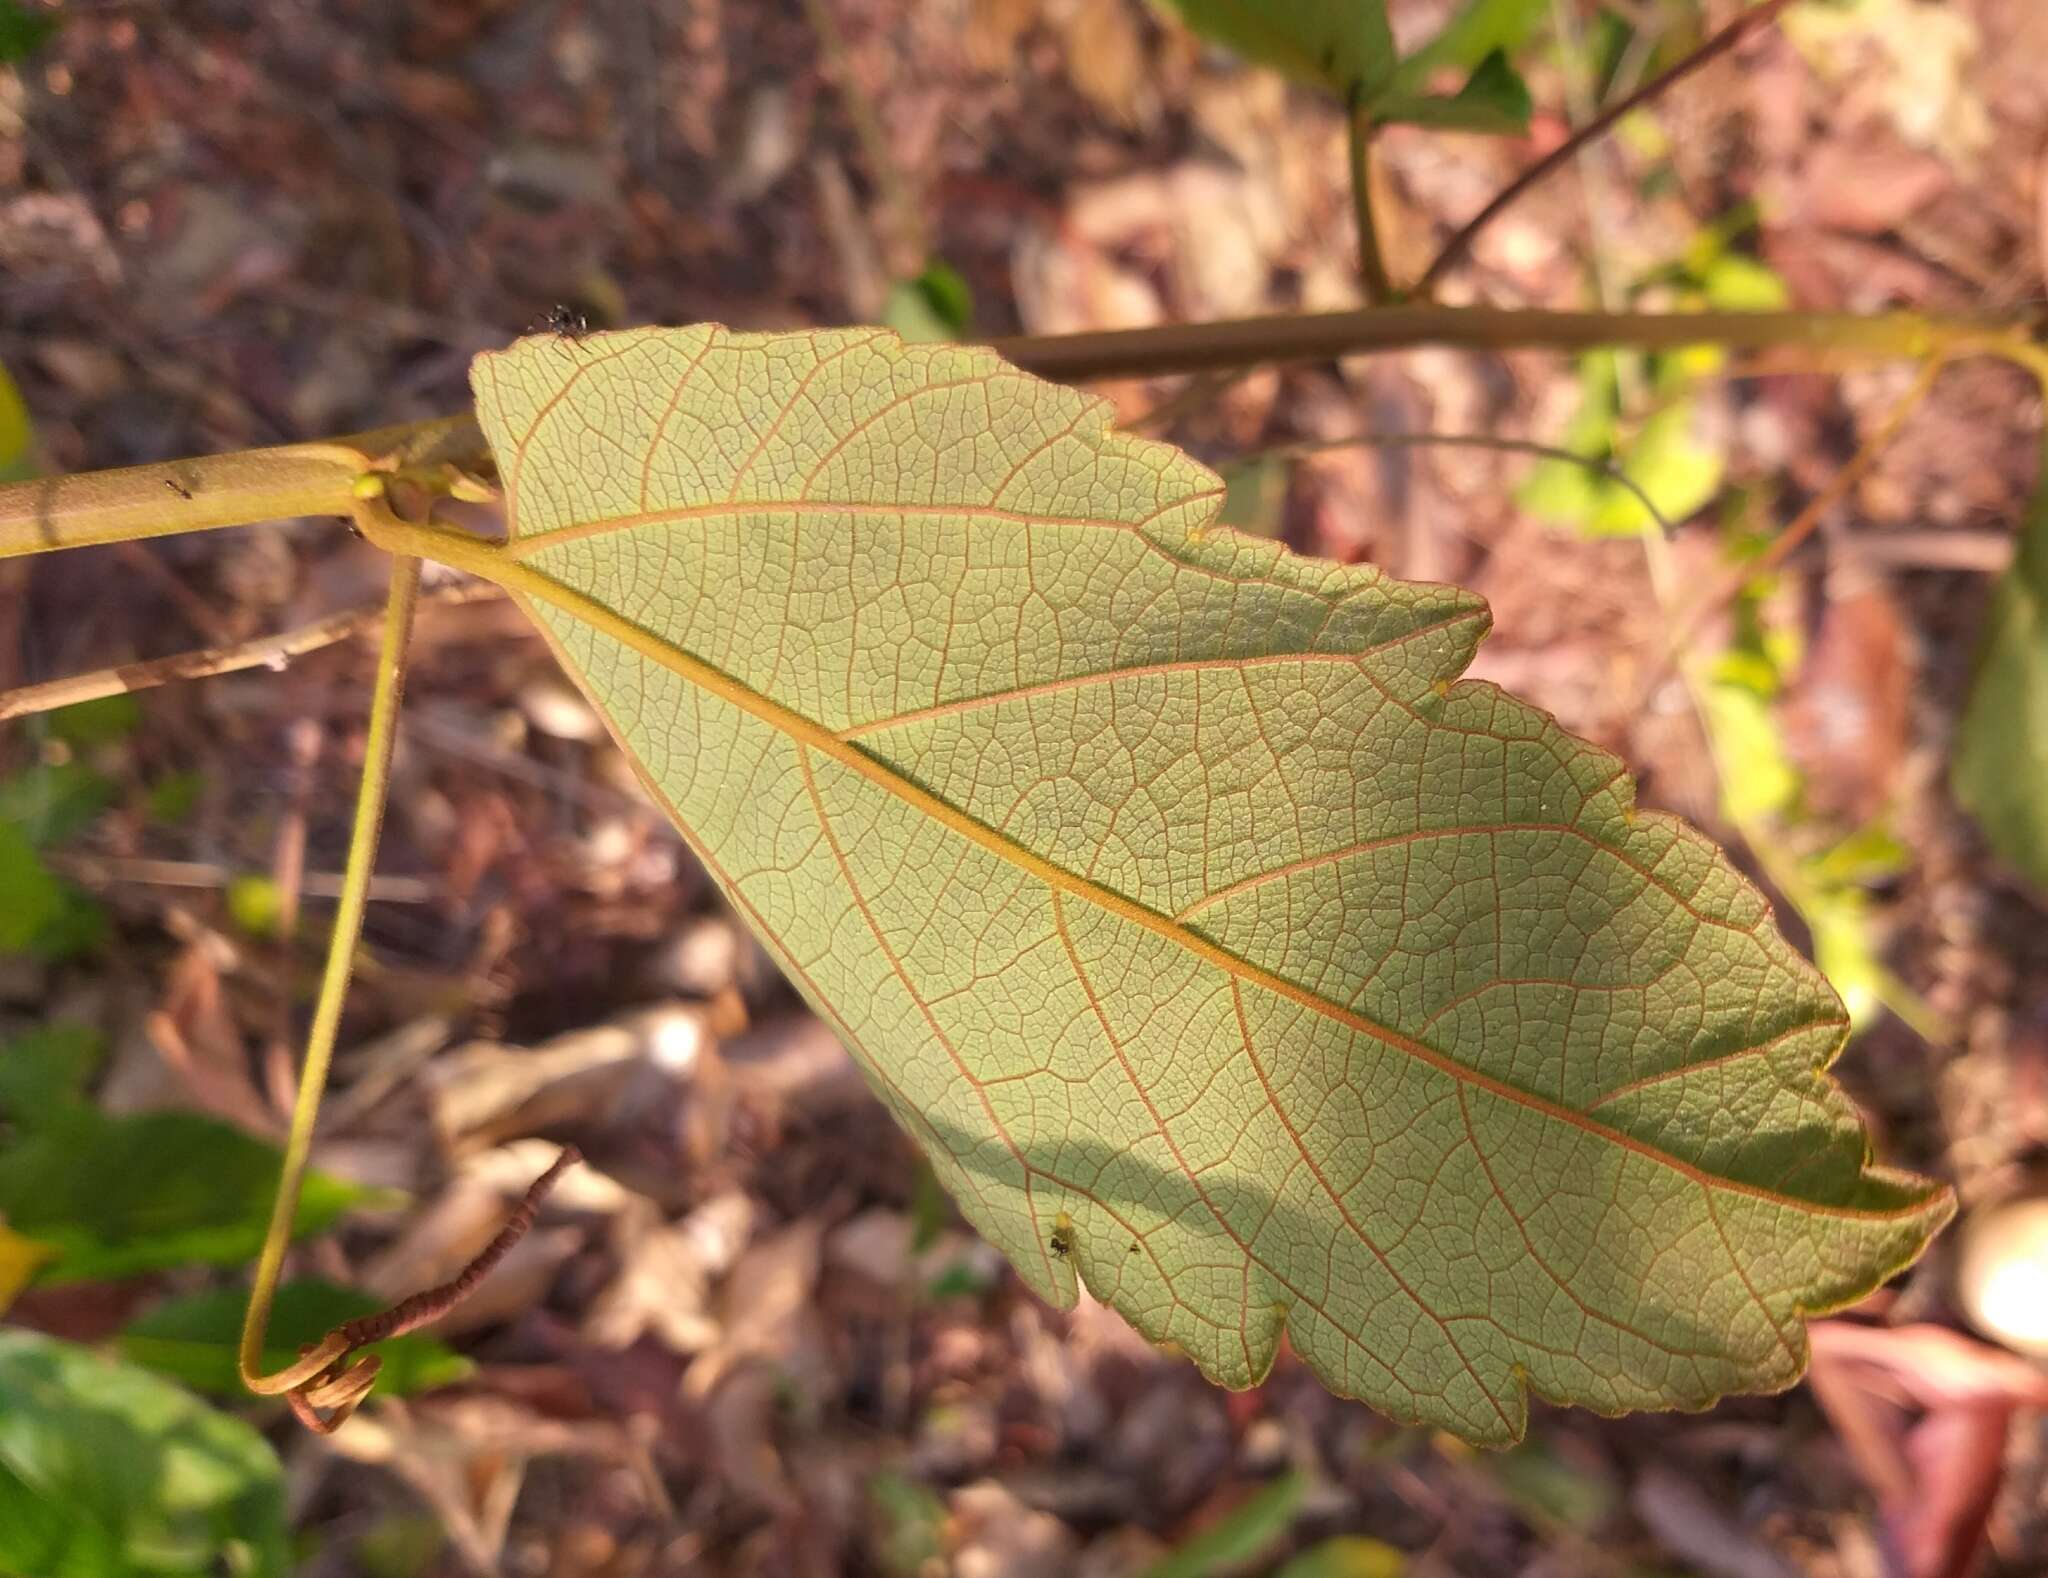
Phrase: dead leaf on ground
(666, 1273)
(765, 1307)
(1924, 1411)
(1847, 718)
(1690, 1524)
(485, 1091)
(1000, 1537)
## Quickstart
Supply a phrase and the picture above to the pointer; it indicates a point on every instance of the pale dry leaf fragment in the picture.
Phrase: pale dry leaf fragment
(875, 1244)
(485, 1091)
(765, 1308)
(1912, 62)
(1105, 55)
(1691, 1525)
(510, 1168)
(2002, 1272)
(1000, 1537)
(666, 1272)
(1220, 948)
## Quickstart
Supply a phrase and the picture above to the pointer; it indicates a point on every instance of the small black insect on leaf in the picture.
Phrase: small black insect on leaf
(563, 321)
(178, 488)
(1062, 1243)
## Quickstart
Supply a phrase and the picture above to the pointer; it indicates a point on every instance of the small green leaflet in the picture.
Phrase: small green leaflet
(1341, 44)
(2001, 766)
(1223, 950)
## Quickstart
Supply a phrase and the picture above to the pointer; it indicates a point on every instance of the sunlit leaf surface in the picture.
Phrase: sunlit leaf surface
(1224, 952)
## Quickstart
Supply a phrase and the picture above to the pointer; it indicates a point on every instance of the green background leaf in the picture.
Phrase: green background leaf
(2001, 765)
(194, 1339)
(1494, 100)
(106, 1469)
(1338, 44)
(1245, 1533)
(1176, 897)
(42, 1072)
(1478, 30)
(19, 33)
(120, 1196)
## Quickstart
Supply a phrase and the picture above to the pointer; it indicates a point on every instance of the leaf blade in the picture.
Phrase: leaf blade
(2002, 740)
(1212, 838)
(106, 1468)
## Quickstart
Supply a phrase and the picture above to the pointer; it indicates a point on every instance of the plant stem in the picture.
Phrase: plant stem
(348, 929)
(1372, 265)
(178, 496)
(258, 485)
(1250, 342)
(272, 651)
(1459, 245)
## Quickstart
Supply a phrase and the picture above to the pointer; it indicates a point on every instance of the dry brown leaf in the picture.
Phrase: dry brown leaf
(1925, 1412)
(666, 1272)
(765, 1307)
(485, 1091)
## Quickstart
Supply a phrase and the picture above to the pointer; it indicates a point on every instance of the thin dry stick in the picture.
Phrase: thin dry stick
(1507, 446)
(340, 1386)
(1197, 392)
(1459, 245)
(272, 651)
(904, 213)
(1806, 520)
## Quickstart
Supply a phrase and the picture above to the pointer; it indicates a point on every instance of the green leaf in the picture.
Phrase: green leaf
(17, 432)
(1255, 496)
(40, 913)
(1494, 101)
(1482, 28)
(1247, 1532)
(256, 904)
(120, 1196)
(108, 1470)
(173, 798)
(19, 1260)
(1347, 1556)
(1342, 45)
(1223, 951)
(2001, 765)
(935, 306)
(1550, 1489)
(101, 721)
(30, 898)
(194, 1339)
(911, 1525)
(51, 802)
(1663, 457)
(45, 1071)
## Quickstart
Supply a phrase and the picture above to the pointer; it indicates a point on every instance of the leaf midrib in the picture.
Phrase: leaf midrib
(494, 563)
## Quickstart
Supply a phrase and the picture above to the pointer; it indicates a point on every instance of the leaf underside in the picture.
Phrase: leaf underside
(1224, 954)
